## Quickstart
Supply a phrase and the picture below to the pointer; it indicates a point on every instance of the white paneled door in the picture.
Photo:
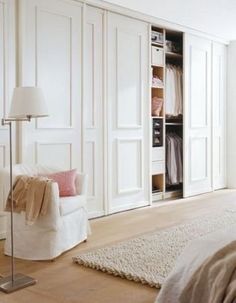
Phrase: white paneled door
(128, 113)
(7, 83)
(51, 33)
(93, 110)
(218, 115)
(197, 116)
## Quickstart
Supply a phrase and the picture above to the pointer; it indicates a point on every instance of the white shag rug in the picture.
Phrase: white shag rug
(150, 258)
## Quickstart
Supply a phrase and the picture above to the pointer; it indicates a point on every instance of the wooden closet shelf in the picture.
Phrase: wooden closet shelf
(157, 44)
(157, 66)
(174, 55)
(157, 87)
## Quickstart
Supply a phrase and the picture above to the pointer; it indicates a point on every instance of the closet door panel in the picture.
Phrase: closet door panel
(197, 116)
(53, 62)
(93, 110)
(128, 137)
(129, 170)
(51, 59)
(129, 84)
(198, 97)
(198, 150)
(218, 114)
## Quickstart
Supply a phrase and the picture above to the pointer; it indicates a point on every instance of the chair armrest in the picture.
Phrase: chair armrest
(81, 184)
(53, 214)
(52, 219)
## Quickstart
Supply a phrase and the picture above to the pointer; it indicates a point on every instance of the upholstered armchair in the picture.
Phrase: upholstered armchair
(64, 226)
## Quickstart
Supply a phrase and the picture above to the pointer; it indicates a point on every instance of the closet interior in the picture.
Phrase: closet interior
(167, 113)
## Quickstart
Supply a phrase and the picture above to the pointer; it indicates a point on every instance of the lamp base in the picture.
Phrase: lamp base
(20, 281)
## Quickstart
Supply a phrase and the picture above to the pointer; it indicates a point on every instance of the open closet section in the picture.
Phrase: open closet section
(167, 113)
(174, 114)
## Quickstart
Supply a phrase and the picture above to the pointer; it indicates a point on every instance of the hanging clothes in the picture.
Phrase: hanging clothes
(174, 90)
(174, 159)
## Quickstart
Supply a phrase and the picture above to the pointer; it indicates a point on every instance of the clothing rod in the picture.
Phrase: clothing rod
(174, 124)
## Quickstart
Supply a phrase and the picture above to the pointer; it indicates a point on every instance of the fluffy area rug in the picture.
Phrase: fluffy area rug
(149, 258)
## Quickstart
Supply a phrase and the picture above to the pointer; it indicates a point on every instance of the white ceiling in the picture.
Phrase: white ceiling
(215, 17)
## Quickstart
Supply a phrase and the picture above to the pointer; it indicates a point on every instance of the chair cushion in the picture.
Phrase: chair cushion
(66, 182)
(69, 205)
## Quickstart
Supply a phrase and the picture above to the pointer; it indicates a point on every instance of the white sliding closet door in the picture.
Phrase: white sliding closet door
(93, 110)
(7, 83)
(197, 116)
(231, 114)
(51, 59)
(128, 119)
(218, 111)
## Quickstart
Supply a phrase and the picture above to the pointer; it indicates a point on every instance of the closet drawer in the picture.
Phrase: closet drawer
(158, 154)
(158, 167)
(157, 56)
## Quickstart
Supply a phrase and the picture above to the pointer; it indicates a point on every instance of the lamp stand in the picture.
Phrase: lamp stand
(14, 281)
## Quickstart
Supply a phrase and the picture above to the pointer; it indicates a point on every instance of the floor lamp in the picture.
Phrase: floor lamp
(27, 103)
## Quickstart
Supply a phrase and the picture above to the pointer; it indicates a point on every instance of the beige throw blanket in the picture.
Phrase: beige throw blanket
(215, 279)
(31, 195)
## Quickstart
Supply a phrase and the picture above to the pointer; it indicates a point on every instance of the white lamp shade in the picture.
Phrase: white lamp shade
(28, 101)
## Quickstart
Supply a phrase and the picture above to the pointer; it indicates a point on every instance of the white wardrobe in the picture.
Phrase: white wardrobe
(115, 131)
(204, 115)
(219, 105)
(94, 110)
(127, 113)
(94, 68)
(231, 114)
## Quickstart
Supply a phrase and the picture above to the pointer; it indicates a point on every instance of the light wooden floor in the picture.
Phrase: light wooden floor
(62, 281)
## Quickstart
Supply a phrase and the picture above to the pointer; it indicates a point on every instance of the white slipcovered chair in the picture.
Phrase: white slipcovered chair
(64, 226)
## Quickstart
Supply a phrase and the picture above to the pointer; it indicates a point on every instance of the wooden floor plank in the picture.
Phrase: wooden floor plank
(62, 281)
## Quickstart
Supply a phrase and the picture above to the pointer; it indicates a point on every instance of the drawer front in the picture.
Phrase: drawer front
(157, 132)
(157, 56)
(158, 167)
(158, 154)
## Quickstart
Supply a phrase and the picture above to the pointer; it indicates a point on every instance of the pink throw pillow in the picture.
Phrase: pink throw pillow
(66, 182)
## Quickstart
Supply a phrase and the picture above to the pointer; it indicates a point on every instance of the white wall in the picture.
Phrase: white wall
(214, 17)
(231, 116)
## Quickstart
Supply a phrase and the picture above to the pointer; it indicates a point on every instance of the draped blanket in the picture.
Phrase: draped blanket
(31, 195)
(215, 280)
